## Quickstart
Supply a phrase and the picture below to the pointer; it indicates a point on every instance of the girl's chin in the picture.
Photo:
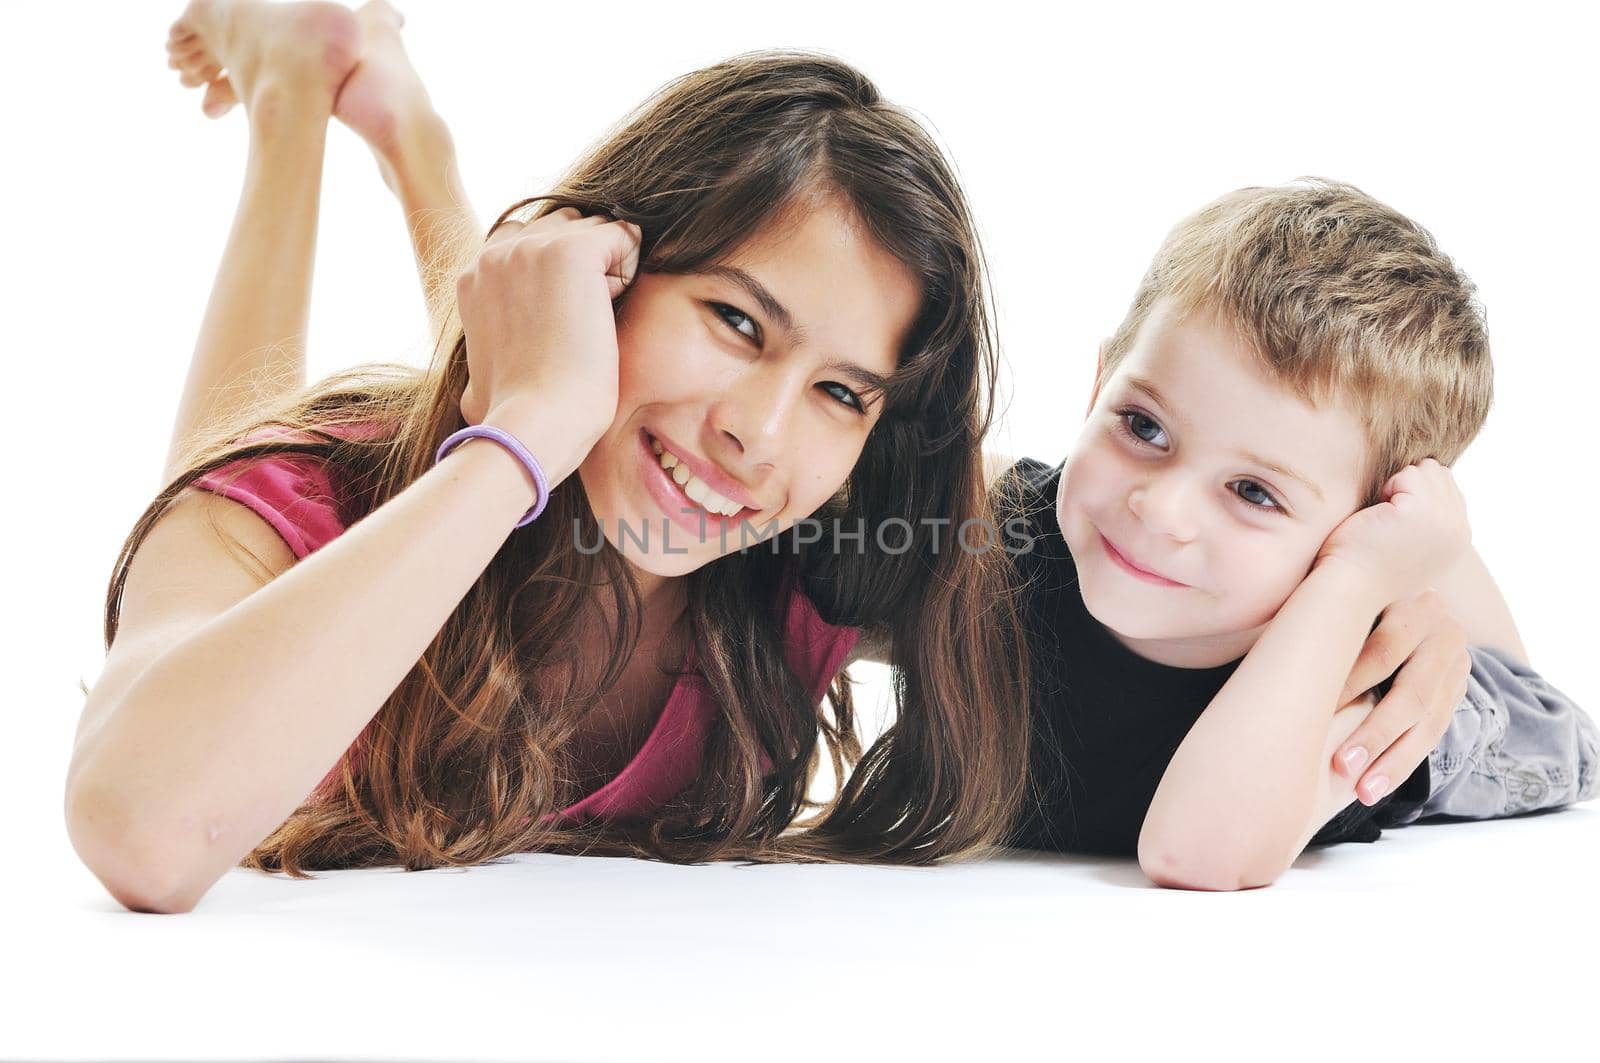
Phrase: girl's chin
(657, 547)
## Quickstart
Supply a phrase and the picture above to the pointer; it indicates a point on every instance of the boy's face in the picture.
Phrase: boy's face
(1216, 481)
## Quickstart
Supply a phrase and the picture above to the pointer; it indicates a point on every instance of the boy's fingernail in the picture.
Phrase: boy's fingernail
(1378, 786)
(1354, 757)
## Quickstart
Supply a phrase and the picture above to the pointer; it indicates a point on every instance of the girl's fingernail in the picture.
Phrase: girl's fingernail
(1378, 786)
(1354, 757)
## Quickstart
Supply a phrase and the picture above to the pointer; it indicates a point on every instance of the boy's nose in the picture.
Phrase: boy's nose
(1166, 507)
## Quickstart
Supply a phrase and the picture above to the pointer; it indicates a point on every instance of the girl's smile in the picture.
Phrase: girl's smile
(687, 489)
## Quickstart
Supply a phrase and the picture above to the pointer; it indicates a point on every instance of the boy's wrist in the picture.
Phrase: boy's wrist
(1351, 582)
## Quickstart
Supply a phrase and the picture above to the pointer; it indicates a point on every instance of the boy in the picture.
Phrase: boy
(1294, 357)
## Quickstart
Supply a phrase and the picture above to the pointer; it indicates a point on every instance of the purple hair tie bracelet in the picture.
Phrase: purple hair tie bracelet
(511, 443)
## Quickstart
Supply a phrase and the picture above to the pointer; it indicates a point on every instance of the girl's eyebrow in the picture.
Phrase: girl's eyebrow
(864, 377)
(768, 302)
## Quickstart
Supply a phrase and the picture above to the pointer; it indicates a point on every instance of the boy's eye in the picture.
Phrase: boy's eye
(1142, 428)
(1255, 494)
(733, 316)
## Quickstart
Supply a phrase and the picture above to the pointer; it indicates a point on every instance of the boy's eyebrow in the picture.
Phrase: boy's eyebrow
(768, 302)
(1149, 388)
(1281, 470)
(865, 378)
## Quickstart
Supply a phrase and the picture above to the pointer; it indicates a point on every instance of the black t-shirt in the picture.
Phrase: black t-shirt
(1106, 722)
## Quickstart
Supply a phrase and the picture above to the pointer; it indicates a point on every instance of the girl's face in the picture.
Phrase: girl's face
(746, 391)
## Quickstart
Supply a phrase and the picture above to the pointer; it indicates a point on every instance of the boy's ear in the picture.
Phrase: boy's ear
(1099, 377)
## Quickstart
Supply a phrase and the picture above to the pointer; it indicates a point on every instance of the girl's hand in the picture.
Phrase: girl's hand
(1407, 542)
(541, 332)
(1419, 637)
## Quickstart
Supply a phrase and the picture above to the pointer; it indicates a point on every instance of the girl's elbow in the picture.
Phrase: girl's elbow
(135, 878)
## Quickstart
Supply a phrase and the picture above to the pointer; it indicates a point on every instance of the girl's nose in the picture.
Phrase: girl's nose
(755, 415)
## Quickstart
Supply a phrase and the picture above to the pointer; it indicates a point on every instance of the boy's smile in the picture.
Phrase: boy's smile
(1200, 490)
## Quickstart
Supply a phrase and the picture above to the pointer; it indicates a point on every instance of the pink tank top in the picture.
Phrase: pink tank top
(295, 495)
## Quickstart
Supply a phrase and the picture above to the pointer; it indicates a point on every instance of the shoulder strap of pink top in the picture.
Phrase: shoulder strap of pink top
(294, 493)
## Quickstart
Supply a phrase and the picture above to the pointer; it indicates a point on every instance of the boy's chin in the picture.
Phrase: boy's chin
(1183, 642)
(1129, 622)
(1144, 629)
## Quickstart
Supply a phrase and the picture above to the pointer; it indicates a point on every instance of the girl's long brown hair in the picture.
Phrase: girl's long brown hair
(468, 756)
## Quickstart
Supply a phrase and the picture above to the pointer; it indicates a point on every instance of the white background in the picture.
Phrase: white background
(1080, 136)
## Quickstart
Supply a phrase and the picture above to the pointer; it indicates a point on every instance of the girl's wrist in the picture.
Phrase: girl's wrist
(550, 437)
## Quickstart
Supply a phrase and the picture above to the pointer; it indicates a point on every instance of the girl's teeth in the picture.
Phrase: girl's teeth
(717, 504)
(699, 492)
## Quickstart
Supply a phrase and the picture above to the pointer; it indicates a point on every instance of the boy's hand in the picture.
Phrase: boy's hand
(1402, 545)
(1425, 642)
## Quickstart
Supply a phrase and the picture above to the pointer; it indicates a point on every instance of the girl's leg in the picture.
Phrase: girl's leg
(384, 101)
(284, 63)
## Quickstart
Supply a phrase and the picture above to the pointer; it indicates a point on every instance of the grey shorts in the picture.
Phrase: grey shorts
(1516, 744)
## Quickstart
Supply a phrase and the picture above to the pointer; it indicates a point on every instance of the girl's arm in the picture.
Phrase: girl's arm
(1470, 593)
(180, 772)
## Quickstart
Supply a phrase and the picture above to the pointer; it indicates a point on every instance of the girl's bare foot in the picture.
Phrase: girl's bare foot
(384, 102)
(247, 51)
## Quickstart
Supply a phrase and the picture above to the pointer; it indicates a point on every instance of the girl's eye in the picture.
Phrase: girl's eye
(844, 395)
(1254, 494)
(733, 316)
(1142, 428)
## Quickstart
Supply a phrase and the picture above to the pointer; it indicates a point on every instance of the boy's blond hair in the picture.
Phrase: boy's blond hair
(1341, 297)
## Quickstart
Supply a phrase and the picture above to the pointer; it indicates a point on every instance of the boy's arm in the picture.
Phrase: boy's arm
(1245, 790)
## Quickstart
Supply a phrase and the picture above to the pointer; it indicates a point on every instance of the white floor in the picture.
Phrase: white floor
(1461, 940)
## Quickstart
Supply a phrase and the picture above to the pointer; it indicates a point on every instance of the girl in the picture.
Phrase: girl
(760, 299)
